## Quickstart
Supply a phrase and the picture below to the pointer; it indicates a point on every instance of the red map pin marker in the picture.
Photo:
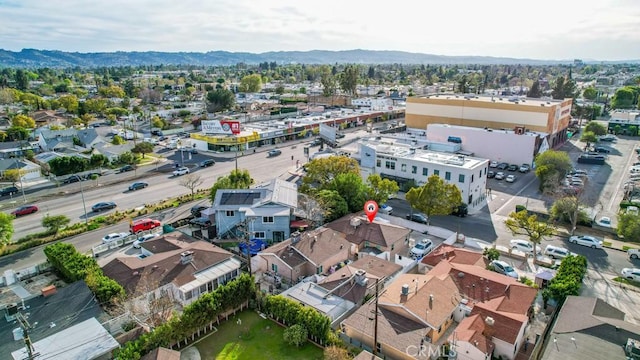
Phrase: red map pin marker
(371, 209)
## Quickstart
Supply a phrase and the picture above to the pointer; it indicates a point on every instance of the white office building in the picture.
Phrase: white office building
(405, 162)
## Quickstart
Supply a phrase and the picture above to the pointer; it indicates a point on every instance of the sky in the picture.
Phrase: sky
(540, 29)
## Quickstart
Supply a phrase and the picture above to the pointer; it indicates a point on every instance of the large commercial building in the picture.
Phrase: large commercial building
(493, 112)
(405, 163)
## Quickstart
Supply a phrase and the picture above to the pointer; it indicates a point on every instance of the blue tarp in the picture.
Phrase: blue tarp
(256, 245)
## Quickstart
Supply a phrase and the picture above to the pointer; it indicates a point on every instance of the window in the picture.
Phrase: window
(447, 175)
(203, 288)
(188, 295)
(393, 246)
(461, 178)
(259, 235)
(472, 177)
(390, 165)
(403, 167)
(379, 347)
(378, 163)
(425, 172)
(267, 219)
(414, 169)
(230, 213)
(319, 270)
(274, 268)
(436, 172)
(479, 174)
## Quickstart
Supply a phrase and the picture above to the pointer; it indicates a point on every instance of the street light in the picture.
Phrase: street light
(24, 198)
(84, 205)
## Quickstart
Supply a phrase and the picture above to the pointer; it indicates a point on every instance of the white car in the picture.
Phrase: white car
(631, 274)
(510, 178)
(633, 253)
(522, 245)
(604, 221)
(386, 209)
(140, 240)
(499, 175)
(586, 240)
(422, 248)
(113, 237)
(557, 252)
(493, 164)
(181, 171)
(503, 268)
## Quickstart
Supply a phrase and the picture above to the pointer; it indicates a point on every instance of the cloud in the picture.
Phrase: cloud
(546, 29)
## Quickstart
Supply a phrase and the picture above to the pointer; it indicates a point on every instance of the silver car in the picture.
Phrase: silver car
(503, 268)
(586, 240)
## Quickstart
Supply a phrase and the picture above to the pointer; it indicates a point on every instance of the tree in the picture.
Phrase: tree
(329, 84)
(128, 158)
(590, 93)
(551, 167)
(68, 165)
(491, 253)
(112, 91)
(237, 179)
(251, 83)
(568, 208)
(322, 171)
(279, 90)
(380, 190)
(22, 80)
(12, 175)
(349, 79)
(535, 91)
(6, 228)
(142, 148)
(16, 133)
(629, 226)
(333, 205)
(98, 161)
(334, 352)
(118, 140)
(625, 98)
(219, 100)
(191, 182)
(23, 121)
(589, 137)
(311, 209)
(351, 189)
(55, 222)
(70, 103)
(86, 119)
(521, 223)
(436, 197)
(295, 335)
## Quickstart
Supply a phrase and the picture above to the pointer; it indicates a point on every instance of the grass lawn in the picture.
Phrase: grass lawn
(256, 338)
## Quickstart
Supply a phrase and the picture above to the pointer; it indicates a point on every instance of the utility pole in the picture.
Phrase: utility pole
(375, 324)
(24, 324)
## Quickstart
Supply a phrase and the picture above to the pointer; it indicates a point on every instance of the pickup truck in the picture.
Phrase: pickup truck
(634, 253)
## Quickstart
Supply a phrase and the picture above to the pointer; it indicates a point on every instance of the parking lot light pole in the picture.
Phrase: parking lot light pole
(84, 205)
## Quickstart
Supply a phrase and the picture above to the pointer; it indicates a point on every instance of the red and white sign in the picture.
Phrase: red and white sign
(220, 127)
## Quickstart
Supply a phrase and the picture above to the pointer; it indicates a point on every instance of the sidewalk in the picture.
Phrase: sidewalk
(609, 240)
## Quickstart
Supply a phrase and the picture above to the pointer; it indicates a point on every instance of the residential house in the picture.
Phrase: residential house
(112, 152)
(28, 170)
(55, 309)
(48, 117)
(372, 237)
(56, 140)
(305, 254)
(174, 264)
(13, 149)
(267, 210)
(590, 328)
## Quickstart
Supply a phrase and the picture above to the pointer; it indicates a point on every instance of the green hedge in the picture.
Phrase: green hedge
(568, 279)
(291, 312)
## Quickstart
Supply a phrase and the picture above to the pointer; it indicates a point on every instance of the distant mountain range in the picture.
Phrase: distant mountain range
(32, 58)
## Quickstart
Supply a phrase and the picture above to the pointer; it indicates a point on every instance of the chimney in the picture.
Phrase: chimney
(295, 237)
(430, 301)
(405, 289)
(186, 257)
(488, 327)
(355, 222)
(361, 277)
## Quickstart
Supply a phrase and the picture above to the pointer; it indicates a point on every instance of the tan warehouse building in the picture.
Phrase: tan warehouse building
(493, 112)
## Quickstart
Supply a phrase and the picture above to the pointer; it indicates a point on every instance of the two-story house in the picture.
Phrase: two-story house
(266, 211)
(174, 265)
(372, 237)
(58, 140)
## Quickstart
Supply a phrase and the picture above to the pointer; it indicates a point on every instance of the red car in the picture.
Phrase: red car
(24, 210)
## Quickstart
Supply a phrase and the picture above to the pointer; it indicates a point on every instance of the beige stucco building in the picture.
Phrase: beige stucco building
(493, 112)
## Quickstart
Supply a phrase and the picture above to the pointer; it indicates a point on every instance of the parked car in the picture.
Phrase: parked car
(140, 240)
(512, 167)
(197, 210)
(114, 236)
(181, 171)
(274, 152)
(524, 168)
(24, 210)
(601, 149)
(557, 252)
(461, 210)
(633, 253)
(493, 164)
(207, 163)
(417, 217)
(316, 142)
(72, 179)
(102, 206)
(502, 166)
(608, 138)
(491, 174)
(631, 274)
(386, 209)
(604, 221)
(500, 175)
(9, 191)
(126, 168)
(586, 240)
(523, 245)
(503, 268)
(139, 225)
(137, 186)
(422, 248)
(200, 221)
(510, 178)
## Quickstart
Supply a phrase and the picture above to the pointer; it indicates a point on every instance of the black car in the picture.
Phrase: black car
(503, 166)
(316, 142)
(340, 135)
(512, 167)
(207, 163)
(72, 179)
(126, 168)
(417, 217)
(200, 221)
(273, 153)
(491, 174)
(102, 206)
(137, 186)
(600, 149)
(9, 191)
(196, 211)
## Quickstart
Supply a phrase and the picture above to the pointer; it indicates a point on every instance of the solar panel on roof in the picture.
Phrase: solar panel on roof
(239, 198)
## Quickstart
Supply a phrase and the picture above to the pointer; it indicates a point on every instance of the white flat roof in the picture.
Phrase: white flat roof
(212, 273)
(313, 295)
(86, 340)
